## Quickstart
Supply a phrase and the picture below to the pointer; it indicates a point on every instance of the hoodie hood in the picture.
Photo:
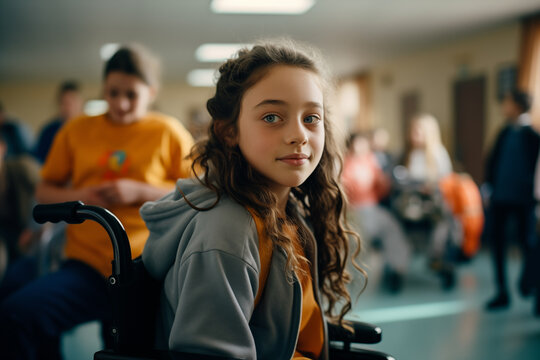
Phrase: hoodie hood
(167, 219)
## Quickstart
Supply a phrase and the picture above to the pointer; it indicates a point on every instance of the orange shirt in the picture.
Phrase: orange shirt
(311, 332)
(363, 180)
(311, 336)
(91, 150)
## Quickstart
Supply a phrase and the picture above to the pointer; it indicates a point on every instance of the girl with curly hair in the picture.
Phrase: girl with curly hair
(252, 253)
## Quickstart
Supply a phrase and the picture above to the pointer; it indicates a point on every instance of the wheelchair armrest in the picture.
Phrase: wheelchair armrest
(155, 355)
(364, 333)
(359, 354)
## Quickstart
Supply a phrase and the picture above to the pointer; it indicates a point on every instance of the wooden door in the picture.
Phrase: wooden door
(469, 122)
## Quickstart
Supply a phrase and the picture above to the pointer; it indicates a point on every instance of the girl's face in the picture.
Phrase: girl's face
(128, 97)
(281, 126)
(361, 146)
(418, 136)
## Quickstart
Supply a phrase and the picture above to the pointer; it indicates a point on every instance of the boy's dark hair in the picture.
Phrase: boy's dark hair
(521, 99)
(68, 86)
(134, 60)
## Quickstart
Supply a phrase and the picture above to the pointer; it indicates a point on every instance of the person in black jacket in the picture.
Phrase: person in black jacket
(510, 175)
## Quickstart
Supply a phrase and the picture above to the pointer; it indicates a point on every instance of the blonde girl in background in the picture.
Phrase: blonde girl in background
(426, 157)
(427, 162)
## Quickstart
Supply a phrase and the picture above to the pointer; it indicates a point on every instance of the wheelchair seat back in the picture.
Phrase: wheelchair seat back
(134, 306)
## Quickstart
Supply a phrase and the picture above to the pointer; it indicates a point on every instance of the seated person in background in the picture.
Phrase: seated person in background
(18, 178)
(387, 161)
(17, 137)
(117, 160)
(247, 250)
(379, 145)
(365, 184)
(426, 157)
(427, 162)
(70, 103)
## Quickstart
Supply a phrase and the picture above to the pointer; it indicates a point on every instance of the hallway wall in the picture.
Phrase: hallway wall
(34, 103)
(431, 73)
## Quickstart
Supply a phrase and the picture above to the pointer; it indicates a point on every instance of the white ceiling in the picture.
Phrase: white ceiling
(57, 39)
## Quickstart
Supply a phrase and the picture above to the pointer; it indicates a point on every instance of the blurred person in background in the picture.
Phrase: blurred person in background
(365, 184)
(510, 177)
(426, 157)
(117, 160)
(17, 137)
(70, 103)
(425, 163)
(380, 139)
(387, 161)
(19, 176)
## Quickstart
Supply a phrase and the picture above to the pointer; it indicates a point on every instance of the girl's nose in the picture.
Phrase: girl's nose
(296, 133)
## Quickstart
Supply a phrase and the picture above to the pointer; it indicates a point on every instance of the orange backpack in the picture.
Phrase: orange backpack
(463, 197)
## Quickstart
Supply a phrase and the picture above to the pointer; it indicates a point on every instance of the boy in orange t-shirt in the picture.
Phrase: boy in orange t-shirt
(117, 160)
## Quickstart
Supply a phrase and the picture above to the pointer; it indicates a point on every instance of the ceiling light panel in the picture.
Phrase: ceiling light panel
(217, 52)
(274, 7)
(202, 77)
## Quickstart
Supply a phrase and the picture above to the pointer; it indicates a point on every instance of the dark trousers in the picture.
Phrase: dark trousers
(18, 274)
(525, 227)
(33, 317)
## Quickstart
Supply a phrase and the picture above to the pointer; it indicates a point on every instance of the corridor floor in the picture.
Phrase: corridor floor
(424, 322)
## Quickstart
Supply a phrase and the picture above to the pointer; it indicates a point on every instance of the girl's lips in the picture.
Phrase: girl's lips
(294, 162)
(294, 159)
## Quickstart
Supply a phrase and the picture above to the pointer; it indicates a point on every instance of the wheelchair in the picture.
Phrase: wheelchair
(423, 211)
(133, 322)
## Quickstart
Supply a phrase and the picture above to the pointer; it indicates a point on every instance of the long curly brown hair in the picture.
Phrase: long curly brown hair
(319, 199)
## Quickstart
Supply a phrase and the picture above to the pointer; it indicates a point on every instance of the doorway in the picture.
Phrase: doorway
(469, 123)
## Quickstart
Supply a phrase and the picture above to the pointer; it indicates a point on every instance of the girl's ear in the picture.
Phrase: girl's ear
(225, 132)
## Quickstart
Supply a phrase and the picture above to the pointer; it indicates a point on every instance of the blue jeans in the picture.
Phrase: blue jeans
(33, 317)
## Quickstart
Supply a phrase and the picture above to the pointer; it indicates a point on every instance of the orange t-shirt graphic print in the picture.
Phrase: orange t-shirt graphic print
(115, 164)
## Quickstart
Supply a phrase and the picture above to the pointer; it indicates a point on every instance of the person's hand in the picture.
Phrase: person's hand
(92, 196)
(120, 192)
(27, 239)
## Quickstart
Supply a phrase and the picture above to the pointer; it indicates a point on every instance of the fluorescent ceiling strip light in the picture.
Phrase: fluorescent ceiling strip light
(217, 52)
(202, 77)
(282, 7)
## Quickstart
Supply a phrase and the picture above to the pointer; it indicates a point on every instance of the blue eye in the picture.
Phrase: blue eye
(271, 118)
(312, 119)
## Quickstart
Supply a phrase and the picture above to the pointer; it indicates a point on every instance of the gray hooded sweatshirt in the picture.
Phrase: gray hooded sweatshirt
(209, 264)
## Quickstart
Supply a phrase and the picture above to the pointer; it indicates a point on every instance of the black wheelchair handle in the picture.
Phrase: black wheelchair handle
(364, 333)
(58, 212)
(76, 212)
